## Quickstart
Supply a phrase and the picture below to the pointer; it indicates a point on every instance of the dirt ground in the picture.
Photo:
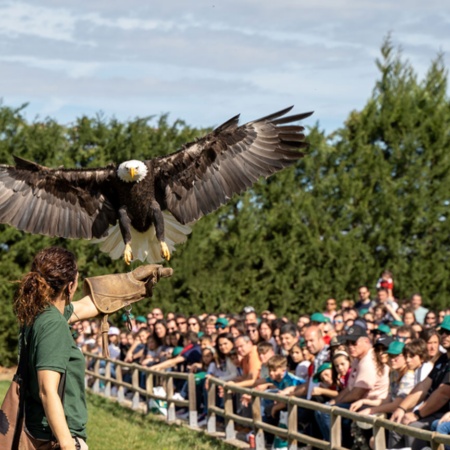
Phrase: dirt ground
(7, 373)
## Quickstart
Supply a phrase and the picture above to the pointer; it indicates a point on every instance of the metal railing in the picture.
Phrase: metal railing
(230, 418)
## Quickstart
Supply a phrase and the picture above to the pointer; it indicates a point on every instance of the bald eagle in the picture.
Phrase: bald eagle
(142, 209)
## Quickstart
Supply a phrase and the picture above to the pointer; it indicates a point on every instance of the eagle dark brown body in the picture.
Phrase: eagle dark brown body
(177, 189)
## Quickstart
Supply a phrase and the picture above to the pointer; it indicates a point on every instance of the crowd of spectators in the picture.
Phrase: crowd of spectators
(376, 355)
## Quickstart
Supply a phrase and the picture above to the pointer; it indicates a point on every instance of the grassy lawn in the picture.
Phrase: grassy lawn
(111, 426)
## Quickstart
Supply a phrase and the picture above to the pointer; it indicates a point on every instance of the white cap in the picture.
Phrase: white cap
(113, 331)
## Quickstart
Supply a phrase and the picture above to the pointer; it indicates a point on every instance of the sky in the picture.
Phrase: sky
(205, 61)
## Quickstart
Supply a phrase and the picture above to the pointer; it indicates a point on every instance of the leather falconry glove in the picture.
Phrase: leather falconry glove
(116, 291)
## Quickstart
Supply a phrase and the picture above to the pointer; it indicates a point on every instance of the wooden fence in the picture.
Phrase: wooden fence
(100, 380)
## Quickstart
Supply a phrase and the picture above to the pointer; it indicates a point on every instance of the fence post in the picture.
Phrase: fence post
(335, 430)
(211, 423)
(379, 437)
(435, 445)
(192, 401)
(256, 413)
(135, 383)
(292, 425)
(108, 378)
(230, 432)
(120, 389)
(96, 386)
(170, 405)
(148, 389)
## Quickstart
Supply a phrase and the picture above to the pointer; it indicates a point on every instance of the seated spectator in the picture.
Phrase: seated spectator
(280, 381)
(369, 380)
(341, 369)
(338, 323)
(405, 334)
(222, 325)
(288, 338)
(265, 352)
(265, 332)
(296, 355)
(253, 332)
(193, 323)
(326, 388)
(432, 339)
(227, 370)
(401, 384)
(416, 356)
(432, 391)
(303, 322)
(151, 356)
(250, 362)
(237, 329)
(191, 354)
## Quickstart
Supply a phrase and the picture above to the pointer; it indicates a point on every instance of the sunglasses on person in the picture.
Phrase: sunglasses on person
(181, 322)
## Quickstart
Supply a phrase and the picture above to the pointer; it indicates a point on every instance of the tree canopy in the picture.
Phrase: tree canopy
(373, 194)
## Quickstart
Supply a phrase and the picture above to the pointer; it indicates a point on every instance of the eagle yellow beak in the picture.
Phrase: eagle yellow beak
(133, 172)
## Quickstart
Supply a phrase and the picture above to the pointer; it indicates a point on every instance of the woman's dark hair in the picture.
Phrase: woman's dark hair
(163, 340)
(51, 271)
(227, 336)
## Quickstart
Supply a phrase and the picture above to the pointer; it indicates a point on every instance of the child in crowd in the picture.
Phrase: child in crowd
(327, 388)
(265, 352)
(281, 381)
(386, 282)
(341, 369)
(301, 370)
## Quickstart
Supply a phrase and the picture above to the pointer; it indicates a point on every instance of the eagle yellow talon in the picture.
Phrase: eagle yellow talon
(165, 253)
(128, 254)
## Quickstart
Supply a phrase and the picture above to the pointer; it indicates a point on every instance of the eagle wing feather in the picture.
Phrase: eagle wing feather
(205, 174)
(69, 203)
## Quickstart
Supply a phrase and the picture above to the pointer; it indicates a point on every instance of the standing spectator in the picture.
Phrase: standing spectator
(303, 322)
(383, 299)
(338, 323)
(157, 313)
(288, 338)
(430, 320)
(364, 301)
(113, 343)
(265, 332)
(250, 315)
(409, 317)
(330, 309)
(419, 311)
(193, 323)
(181, 321)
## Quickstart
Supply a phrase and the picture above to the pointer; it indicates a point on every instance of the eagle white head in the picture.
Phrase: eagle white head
(132, 171)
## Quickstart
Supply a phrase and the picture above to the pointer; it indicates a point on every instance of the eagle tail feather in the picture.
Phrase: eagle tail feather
(145, 246)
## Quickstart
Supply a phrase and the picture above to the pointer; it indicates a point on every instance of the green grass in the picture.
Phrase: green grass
(114, 427)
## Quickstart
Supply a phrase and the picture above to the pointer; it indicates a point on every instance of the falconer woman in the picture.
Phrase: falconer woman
(43, 305)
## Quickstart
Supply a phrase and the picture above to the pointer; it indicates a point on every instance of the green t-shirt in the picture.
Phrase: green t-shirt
(52, 347)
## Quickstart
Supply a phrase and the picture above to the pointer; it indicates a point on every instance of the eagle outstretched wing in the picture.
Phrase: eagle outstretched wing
(68, 203)
(205, 174)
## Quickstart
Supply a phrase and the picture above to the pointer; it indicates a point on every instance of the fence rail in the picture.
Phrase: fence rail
(102, 381)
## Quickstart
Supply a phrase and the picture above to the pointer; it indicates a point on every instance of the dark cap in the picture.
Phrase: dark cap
(355, 332)
(384, 340)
